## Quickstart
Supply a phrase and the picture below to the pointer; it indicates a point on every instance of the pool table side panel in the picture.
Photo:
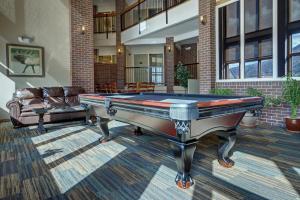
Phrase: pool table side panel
(199, 128)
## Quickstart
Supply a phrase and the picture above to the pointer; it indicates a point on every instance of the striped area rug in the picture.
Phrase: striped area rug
(68, 162)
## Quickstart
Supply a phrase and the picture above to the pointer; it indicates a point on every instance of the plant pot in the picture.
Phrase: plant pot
(249, 120)
(292, 125)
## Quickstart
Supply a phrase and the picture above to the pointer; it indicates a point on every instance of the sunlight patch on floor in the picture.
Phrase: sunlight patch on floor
(54, 134)
(297, 170)
(162, 186)
(257, 175)
(72, 171)
(62, 147)
(218, 196)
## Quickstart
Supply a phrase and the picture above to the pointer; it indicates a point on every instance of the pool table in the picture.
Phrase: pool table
(180, 118)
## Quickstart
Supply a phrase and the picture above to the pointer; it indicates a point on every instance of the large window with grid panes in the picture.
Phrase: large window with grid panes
(258, 39)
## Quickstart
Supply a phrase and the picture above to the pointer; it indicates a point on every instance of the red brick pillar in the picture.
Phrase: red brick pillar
(82, 44)
(121, 50)
(169, 63)
(207, 47)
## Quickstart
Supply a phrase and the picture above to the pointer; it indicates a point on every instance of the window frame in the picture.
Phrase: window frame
(242, 44)
(291, 28)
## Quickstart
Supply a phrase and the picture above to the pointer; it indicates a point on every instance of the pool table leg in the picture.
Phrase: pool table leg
(183, 154)
(227, 141)
(138, 131)
(103, 125)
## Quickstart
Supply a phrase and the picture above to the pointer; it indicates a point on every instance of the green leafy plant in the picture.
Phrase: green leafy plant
(291, 95)
(221, 91)
(269, 101)
(182, 75)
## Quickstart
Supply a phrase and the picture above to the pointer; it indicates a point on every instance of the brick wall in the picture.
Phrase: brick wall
(121, 56)
(206, 46)
(272, 115)
(169, 64)
(105, 73)
(82, 58)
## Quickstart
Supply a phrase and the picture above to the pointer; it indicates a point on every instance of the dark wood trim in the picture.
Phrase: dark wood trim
(282, 18)
(105, 14)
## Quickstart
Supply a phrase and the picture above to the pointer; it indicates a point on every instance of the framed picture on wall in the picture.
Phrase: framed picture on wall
(25, 61)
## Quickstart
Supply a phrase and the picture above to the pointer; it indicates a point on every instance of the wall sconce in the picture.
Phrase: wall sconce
(25, 39)
(83, 30)
(203, 19)
(119, 50)
(169, 48)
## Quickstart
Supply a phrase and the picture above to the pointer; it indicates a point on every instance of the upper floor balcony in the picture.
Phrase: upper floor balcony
(105, 29)
(151, 21)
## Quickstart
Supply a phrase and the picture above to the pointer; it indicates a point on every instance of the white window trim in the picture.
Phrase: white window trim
(242, 44)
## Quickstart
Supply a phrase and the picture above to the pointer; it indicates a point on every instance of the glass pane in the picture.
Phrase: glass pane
(267, 68)
(294, 7)
(296, 43)
(233, 20)
(266, 47)
(296, 66)
(266, 18)
(251, 16)
(233, 71)
(232, 53)
(251, 69)
(251, 50)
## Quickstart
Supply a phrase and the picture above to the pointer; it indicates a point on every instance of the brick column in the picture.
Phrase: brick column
(121, 50)
(206, 47)
(169, 63)
(82, 45)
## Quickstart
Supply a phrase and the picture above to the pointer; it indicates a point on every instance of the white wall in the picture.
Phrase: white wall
(101, 40)
(49, 23)
(141, 49)
(105, 5)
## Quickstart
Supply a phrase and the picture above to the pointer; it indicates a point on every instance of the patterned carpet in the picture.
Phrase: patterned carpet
(68, 162)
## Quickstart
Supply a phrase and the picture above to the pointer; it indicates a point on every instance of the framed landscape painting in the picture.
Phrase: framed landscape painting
(25, 61)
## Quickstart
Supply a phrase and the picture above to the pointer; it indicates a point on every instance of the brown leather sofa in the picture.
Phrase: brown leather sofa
(63, 104)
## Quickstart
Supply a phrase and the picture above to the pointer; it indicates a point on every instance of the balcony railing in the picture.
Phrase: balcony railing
(105, 22)
(192, 69)
(145, 9)
(153, 74)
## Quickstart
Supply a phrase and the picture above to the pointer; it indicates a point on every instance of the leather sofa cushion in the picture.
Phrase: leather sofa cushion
(27, 102)
(29, 93)
(72, 100)
(73, 91)
(28, 108)
(53, 92)
(55, 102)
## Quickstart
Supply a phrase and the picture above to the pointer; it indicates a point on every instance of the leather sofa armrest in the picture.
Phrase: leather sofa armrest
(14, 107)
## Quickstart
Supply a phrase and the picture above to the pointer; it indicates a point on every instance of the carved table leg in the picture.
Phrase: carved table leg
(138, 131)
(227, 141)
(41, 127)
(183, 154)
(103, 125)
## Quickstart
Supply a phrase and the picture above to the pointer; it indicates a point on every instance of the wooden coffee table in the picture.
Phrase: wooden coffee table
(41, 112)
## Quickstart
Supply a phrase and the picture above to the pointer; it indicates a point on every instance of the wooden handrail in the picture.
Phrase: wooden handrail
(105, 14)
(130, 7)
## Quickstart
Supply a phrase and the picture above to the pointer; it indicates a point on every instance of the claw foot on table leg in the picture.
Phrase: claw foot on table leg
(184, 181)
(225, 146)
(183, 154)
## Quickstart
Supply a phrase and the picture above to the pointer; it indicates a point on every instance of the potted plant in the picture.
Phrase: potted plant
(182, 75)
(291, 95)
(251, 118)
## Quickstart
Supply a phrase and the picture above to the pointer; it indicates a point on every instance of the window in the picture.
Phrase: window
(156, 67)
(230, 41)
(293, 24)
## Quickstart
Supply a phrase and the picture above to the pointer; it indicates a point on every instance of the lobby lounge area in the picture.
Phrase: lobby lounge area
(150, 99)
